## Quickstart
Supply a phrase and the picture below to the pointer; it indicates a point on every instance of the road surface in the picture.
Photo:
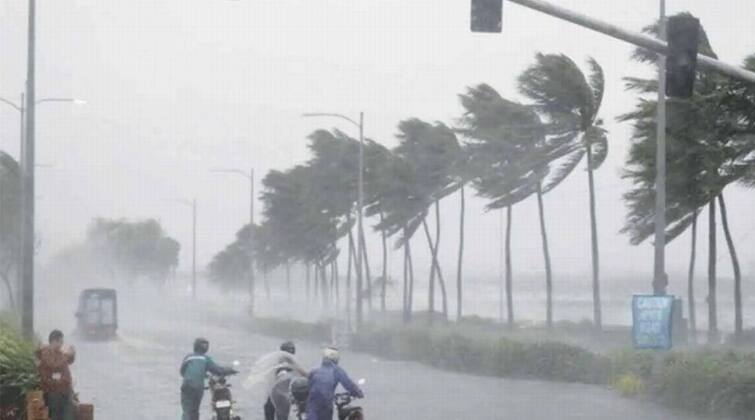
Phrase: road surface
(136, 378)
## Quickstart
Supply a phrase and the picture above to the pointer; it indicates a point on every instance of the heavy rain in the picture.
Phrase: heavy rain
(255, 209)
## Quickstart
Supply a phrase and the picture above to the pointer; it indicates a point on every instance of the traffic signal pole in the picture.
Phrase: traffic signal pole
(659, 267)
(635, 38)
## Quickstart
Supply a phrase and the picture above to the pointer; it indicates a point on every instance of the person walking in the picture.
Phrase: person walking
(194, 370)
(323, 382)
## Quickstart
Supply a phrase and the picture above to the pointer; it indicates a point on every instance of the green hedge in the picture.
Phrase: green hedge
(715, 382)
(290, 329)
(481, 355)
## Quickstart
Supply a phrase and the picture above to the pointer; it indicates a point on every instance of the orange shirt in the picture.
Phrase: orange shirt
(53, 369)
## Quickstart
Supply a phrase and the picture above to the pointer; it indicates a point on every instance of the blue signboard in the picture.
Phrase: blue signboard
(651, 321)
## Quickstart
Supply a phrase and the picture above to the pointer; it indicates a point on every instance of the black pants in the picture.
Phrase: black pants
(269, 410)
(191, 400)
(60, 405)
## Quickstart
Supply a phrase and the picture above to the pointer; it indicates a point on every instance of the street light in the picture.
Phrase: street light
(193, 204)
(360, 203)
(250, 177)
(26, 162)
(21, 108)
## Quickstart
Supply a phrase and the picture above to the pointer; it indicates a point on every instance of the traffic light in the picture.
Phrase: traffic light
(683, 33)
(486, 15)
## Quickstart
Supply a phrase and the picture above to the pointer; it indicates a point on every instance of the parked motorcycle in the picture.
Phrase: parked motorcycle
(222, 403)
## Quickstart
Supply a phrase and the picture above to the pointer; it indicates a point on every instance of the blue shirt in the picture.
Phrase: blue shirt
(194, 369)
(324, 380)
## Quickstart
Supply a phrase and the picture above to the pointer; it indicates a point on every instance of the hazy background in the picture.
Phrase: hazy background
(176, 87)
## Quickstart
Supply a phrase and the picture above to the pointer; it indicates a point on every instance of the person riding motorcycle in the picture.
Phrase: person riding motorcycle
(323, 382)
(194, 370)
(277, 404)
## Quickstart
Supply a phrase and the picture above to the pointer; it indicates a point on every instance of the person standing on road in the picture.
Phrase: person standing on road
(323, 382)
(194, 370)
(53, 363)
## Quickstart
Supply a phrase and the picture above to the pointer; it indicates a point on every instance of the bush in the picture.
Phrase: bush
(449, 349)
(629, 385)
(285, 328)
(18, 373)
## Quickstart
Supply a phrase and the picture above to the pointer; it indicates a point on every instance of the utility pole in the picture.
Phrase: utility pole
(27, 263)
(659, 278)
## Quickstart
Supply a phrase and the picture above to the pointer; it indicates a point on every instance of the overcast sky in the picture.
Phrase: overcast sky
(176, 87)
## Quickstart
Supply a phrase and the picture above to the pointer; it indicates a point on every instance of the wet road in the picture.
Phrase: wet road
(136, 378)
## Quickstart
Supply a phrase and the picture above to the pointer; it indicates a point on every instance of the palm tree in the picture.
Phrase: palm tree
(570, 100)
(710, 146)
(434, 151)
(10, 213)
(512, 151)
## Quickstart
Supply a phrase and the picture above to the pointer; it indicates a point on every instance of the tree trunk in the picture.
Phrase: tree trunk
(324, 286)
(335, 282)
(367, 274)
(385, 266)
(267, 285)
(441, 281)
(509, 274)
(712, 310)
(351, 260)
(405, 278)
(288, 280)
(410, 302)
(597, 310)
(316, 285)
(691, 283)
(431, 281)
(308, 291)
(735, 268)
(459, 289)
(547, 257)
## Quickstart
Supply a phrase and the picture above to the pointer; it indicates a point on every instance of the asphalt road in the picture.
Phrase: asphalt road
(136, 377)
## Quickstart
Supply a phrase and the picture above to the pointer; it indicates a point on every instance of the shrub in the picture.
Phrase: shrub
(18, 373)
(629, 385)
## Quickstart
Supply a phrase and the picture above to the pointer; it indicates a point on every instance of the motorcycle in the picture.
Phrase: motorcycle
(222, 402)
(300, 391)
(345, 410)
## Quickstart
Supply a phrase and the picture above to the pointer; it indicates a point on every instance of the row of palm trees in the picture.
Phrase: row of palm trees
(507, 151)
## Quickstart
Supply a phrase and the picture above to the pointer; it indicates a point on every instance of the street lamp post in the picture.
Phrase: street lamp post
(26, 163)
(250, 177)
(360, 204)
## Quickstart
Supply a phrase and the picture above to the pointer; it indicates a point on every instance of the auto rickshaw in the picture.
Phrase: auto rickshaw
(97, 314)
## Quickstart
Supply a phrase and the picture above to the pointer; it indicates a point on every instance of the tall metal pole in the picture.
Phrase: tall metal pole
(27, 316)
(194, 248)
(22, 137)
(360, 203)
(659, 278)
(638, 39)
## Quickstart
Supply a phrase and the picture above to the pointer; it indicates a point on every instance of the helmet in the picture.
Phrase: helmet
(300, 389)
(288, 347)
(201, 345)
(331, 353)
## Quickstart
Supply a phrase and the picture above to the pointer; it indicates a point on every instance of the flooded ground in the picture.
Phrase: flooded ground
(136, 377)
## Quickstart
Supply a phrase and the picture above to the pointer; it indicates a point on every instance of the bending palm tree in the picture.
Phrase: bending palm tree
(571, 101)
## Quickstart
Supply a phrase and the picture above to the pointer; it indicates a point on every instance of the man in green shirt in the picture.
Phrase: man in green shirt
(194, 370)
